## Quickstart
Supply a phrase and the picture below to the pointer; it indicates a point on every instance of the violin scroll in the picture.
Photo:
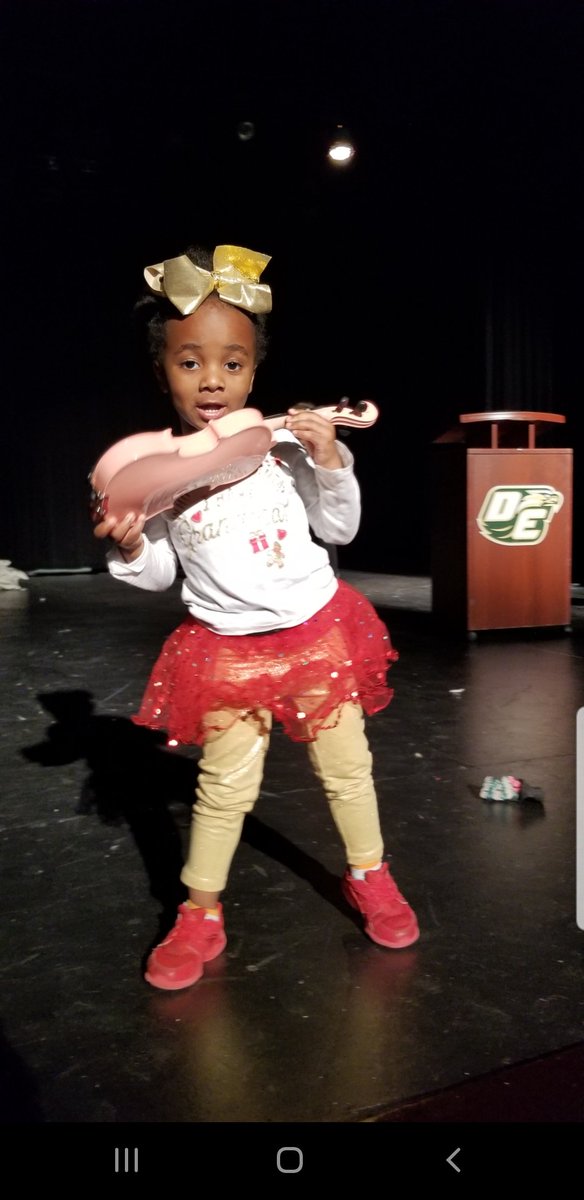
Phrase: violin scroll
(353, 414)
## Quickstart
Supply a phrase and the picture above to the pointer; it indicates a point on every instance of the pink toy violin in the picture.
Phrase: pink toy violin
(147, 472)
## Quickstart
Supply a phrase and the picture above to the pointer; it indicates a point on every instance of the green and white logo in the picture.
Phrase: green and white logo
(518, 515)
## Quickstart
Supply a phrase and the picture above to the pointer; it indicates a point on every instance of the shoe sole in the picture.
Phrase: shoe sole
(401, 945)
(407, 940)
(170, 985)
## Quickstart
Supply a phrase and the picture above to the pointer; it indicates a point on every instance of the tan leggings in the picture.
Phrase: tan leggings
(230, 775)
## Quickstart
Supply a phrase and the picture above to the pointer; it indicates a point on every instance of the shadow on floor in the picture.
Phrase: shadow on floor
(19, 1103)
(550, 1088)
(133, 778)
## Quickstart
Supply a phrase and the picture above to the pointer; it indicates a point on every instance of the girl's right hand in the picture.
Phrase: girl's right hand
(127, 533)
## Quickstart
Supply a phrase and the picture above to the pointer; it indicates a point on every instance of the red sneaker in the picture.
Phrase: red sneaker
(389, 920)
(194, 940)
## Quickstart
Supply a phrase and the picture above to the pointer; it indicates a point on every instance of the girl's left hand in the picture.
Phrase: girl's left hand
(317, 435)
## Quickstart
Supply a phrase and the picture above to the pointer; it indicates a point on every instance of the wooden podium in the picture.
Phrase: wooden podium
(501, 524)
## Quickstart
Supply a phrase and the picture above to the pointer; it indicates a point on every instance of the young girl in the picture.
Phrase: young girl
(271, 632)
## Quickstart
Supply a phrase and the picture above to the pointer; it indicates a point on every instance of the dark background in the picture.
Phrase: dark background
(440, 274)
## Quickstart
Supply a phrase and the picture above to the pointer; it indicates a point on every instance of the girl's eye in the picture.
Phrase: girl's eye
(233, 365)
(190, 364)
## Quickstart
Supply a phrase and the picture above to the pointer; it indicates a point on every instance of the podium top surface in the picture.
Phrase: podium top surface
(503, 424)
(551, 418)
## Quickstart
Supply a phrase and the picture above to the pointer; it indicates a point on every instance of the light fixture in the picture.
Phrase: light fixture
(246, 131)
(341, 148)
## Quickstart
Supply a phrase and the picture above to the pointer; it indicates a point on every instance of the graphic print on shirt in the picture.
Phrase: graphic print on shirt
(237, 511)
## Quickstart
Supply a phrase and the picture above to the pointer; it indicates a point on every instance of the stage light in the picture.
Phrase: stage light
(246, 131)
(341, 149)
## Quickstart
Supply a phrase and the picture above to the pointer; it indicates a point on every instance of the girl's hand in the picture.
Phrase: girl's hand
(317, 435)
(127, 534)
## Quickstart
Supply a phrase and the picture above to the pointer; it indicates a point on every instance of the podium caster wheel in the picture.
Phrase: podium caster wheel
(472, 635)
(568, 629)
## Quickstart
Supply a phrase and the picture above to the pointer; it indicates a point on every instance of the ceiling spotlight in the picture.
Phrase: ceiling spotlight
(341, 147)
(245, 131)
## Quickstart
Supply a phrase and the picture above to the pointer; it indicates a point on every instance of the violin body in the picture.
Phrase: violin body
(148, 472)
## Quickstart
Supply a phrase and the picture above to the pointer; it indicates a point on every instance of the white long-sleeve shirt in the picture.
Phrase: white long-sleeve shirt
(249, 561)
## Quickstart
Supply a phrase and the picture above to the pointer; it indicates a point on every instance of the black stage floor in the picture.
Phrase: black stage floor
(302, 1022)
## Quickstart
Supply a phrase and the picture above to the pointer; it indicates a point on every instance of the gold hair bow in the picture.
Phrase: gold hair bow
(235, 277)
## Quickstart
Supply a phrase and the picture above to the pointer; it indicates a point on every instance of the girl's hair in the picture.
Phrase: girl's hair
(155, 311)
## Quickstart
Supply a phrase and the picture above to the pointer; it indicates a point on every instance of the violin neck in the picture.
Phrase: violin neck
(354, 416)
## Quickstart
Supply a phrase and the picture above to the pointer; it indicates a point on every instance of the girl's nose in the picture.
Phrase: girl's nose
(211, 380)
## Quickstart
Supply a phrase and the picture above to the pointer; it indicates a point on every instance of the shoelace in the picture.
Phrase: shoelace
(179, 929)
(385, 888)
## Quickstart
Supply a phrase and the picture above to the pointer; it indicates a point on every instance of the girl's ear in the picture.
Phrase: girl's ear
(251, 384)
(160, 376)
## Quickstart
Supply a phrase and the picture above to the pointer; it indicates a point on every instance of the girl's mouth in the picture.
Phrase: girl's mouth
(211, 412)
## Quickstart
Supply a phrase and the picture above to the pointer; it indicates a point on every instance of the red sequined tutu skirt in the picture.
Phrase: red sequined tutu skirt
(204, 681)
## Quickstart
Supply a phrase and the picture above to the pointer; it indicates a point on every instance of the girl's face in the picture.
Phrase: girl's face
(208, 363)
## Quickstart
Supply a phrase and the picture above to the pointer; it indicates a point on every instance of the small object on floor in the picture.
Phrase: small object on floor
(507, 787)
(10, 577)
(504, 788)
